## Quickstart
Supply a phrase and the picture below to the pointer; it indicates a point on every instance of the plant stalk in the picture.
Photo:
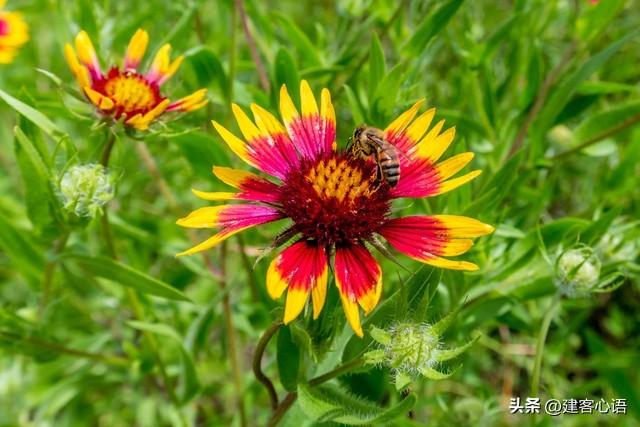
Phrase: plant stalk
(542, 338)
(257, 362)
(132, 297)
(50, 269)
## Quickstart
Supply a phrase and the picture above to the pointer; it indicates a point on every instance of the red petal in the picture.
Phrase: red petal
(427, 238)
(301, 268)
(359, 280)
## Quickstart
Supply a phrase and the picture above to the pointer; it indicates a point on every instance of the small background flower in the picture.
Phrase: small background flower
(13, 33)
(124, 93)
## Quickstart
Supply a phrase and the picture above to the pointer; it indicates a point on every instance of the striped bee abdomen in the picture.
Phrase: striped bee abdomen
(389, 164)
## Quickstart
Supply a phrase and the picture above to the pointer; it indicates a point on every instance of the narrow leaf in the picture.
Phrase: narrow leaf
(126, 276)
(431, 26)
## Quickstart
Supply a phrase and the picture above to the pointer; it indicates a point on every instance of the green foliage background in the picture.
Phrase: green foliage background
(545, 93)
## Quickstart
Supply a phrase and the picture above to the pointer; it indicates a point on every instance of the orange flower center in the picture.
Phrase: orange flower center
(130, 92)
(335, 178)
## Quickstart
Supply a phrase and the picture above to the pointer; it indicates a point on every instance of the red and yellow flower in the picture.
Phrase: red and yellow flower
(335, 203)
(125, 93)
(13, 34)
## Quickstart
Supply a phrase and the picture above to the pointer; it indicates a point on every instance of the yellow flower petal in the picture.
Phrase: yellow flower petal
(352, 314)
(237, 145)
(233, 177)
(456, 182)
(308, 100)
(319, 293)
(296, 300)
(98, 99)
(214, 196)
(453, 165)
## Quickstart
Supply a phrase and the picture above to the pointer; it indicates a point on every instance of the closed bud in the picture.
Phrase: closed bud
(577, 271)
(84, 189)
(413, 349)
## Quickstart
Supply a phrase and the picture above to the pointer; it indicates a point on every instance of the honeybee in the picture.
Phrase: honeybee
(369, 141)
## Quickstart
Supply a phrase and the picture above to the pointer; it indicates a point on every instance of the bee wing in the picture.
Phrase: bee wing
(379, 141)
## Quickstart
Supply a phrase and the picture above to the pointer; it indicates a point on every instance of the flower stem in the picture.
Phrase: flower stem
(231, 336)
(257, 361)
(253, 49)
(251, 278)
(50, 269)
(231, 72)
(541, 98)
(599, 137)
(542, 338)
(131, 295)
(342, 369)
(109, 359)
(290, 398)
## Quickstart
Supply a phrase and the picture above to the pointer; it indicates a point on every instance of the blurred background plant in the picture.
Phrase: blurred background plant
(544, 92)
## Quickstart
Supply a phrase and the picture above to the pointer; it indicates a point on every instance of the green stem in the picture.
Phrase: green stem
(340, 370)
(257, 362)
(615, 129)
(246, 263)
(542, 338)
(50, 269)
(290, 398)
(253, 49)
(231, 336)
(132, 297)
(232, 58)
(109, 359)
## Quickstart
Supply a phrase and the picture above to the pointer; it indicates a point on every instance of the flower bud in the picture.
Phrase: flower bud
(84, 189)
(411, 349)
(577, 271)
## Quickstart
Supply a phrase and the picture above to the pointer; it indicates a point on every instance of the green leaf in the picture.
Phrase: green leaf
(431, 26)
(327, 403)
(384, 99)
(596, 18)
(496, 188)
(288, 358)
(189, 386)
(34, 116)
(604, 88)
(565, 89)
(376, 63)
(156, 328)
(603, 121)
(306, 49)
(286, 73)
(207, 68)
(18, 245)
(43, 206)
(354, 105)
(203, 151)
(124, 275)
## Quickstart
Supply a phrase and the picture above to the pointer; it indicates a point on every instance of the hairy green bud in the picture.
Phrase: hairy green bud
(577, 271)
(84, 189)
(413, 349)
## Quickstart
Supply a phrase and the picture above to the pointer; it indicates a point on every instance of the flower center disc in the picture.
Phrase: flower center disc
(130, 92)
(336, 200)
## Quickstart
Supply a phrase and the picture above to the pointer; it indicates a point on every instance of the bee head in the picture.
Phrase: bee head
(358, 131)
